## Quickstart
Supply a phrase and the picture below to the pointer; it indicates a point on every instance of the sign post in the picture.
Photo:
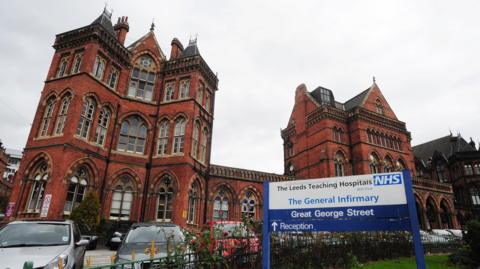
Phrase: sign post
(378, 202)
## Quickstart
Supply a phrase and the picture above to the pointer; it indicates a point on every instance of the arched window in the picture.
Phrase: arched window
(133, 134)
(200, 90)
(169, 91)
(86, 117)
(431, 214)
(220, 206)
(122, 199)
(76, 189)
(207, 102)
(47, 116)
(339, 162)
(468, 169)
(62, 66)
(165, 200)
(379, 107)
(184, 89)
(102, 126)
(163, 138)
(369, 134)
(441, 172)
(142, 79)
(374, 164)
(445, 215)
(37, 189)
(99, 67)
(62, 114)
(179, 135)
(203, 145)
(388, 165)
(249, 205)
(400, 165)
(193, 195)
(77, 61)
(195, 137)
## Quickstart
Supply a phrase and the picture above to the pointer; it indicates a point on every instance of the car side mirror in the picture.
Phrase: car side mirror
(117, 234)
(116, 240)
(82, 242)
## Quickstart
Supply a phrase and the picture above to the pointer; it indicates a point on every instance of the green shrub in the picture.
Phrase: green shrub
(87, 211)
(473, 240)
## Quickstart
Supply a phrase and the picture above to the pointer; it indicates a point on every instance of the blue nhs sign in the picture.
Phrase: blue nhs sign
(387, 179)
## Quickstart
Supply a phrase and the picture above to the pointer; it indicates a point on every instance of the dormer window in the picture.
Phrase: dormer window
(99, 67)
(379, 107)
(142, 79)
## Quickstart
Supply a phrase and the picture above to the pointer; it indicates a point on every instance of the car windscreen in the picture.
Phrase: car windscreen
(34, 234)
(159, 234)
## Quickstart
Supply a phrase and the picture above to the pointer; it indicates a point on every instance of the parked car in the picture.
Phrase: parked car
(430, 238)
(233, 236)
(89, 235)
(457, 233)
(42, 242)
(166, 238)
(115, 240)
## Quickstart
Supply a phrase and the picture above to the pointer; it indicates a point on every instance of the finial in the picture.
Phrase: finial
(193, 41)
(152, 26)
(374, 80)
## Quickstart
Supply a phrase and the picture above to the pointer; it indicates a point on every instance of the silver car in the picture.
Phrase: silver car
(42, 242)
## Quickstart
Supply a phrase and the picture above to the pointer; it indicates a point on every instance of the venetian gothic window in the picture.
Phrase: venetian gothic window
(184, 89)
(77, 61)
(163, 138)
(203, 145)
(142, 79)
(193, 198)
(76, 189)
(249, 203)
(179, 135)
(99, 67)
(201, 89)
(47, 116)
(133, 134)
(62, 114)
(37, 189)
(122, 198)
(102, 126)
(379, 107)
(169, 91)
(62, 67)
(86, 117)
(195, 137)
(388, 167)
(337, 134)
(165, 200)
(220, 206)
(374, 164)
(339, 162)
(113, 77)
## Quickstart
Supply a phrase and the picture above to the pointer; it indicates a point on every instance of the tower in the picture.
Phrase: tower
(124, 122)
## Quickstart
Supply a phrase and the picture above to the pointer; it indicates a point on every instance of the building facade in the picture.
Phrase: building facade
(450, 160)
(326, 138)
(6, 185)
(13, 162)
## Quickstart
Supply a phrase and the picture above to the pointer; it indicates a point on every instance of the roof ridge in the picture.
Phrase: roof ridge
(428, 142)
(249, 170)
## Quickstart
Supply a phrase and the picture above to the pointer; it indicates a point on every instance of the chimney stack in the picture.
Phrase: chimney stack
(177, 48)
(121, 28)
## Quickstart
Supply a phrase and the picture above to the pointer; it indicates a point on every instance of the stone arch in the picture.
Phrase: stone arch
(91, 169)
(40, 157)
(446, 214)
(137, 113)
(92, 95)
(159, 179)
(180, 115)
(51, 94)
(223, 202)
(129, 172)
(151, 55)
(245, 201)
(65, 92)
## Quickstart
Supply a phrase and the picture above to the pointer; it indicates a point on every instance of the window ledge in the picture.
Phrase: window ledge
(132, 154)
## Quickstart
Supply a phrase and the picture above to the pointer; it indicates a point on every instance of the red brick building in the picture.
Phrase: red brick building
(327, 138)
(135, 127)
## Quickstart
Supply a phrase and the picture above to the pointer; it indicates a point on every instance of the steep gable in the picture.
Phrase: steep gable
(147, 42)
(374, 95)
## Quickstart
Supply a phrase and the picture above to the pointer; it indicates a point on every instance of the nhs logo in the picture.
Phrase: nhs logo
(388, 179)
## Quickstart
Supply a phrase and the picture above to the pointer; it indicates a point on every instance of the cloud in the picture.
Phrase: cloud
(424, 55)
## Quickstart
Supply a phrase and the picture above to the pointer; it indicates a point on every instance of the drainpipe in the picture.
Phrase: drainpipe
(107, 161)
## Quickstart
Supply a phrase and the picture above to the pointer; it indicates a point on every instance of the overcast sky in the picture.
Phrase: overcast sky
(424, 55)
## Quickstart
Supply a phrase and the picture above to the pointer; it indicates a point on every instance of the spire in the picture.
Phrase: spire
(152, 26)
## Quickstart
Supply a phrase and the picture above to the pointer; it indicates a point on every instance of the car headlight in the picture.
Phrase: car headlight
(55, 263)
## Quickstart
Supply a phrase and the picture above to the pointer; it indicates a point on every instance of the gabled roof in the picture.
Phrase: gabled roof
(356, 100)
(105, 21)
(447, 145)
(151, 34)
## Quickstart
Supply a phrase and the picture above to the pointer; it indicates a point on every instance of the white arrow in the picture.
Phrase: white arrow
(274, 226)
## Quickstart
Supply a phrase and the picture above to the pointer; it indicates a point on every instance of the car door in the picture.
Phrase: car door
(77, 250)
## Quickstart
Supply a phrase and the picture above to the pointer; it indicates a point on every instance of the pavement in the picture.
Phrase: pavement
(99, 256)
